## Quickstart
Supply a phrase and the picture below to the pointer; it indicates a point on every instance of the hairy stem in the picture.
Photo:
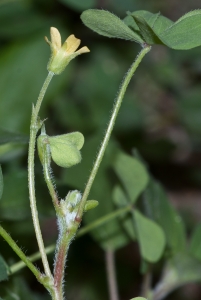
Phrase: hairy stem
(65, 237)
(33, 132)
(20, 253)
(19, 265)
(110, 127)
(111, 275)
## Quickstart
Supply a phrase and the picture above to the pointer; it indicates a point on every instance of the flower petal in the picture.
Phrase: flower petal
(55, 37)
(72, 43)
(82, 50)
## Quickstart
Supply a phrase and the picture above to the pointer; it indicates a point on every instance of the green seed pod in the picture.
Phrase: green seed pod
(90, 204)
(65, 149)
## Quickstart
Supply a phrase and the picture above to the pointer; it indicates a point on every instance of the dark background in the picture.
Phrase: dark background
(160, 117)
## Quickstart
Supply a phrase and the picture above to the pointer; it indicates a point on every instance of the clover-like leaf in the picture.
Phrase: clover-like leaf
(151, 25)
(185, 33)
(107, 24)
(65, 149)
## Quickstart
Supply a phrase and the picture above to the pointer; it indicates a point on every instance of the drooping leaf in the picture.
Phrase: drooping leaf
(3, 269)
(158, 208)
(150, 236)
(132, 174)
(107, 24)
(195, 245)
(1, 182)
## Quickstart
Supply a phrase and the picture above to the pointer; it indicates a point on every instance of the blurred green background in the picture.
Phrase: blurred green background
(160, 117)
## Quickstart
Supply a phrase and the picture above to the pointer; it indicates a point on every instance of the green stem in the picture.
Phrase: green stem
(19, 265)
(33, 132)
(110, 127)
(48, 180)
(20, 253)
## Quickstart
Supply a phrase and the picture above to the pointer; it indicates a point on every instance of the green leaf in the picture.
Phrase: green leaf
(107, 24)
(3, 269)
(150, 236)
(195, 245)
(151, 25)
(1, 182)
(185, 33)
(79, 5)
(158, 208)
(65, 148)
(132, 174)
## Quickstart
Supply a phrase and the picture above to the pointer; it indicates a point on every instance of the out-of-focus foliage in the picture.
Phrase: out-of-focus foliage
(160, 117)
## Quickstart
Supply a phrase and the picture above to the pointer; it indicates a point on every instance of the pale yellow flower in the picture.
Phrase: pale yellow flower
(62, 54)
